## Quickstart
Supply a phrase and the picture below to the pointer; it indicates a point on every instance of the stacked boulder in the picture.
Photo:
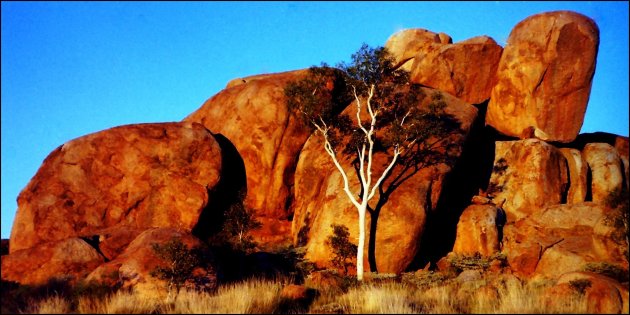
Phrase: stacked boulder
(95, 195)
(98, 203)
(554, 186)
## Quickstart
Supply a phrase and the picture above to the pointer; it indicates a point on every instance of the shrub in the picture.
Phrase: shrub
(180, 262)
(425, 279)
(476, 261)
(580, 285)
(343, 250)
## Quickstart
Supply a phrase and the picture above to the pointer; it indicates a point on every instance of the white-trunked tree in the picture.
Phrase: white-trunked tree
(396, 124)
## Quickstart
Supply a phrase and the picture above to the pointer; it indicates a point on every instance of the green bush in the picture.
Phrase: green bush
(343, 250)
(180, 262)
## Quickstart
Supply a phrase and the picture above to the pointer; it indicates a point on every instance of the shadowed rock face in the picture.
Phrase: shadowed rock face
(133, 267)
(394, 238)
(145, 175)
(545, 76)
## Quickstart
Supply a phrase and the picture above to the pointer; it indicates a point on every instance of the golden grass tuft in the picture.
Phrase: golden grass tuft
(54, 304)
(254, 296)
(498, 294)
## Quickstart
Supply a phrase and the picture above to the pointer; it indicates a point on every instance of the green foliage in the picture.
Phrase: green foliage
(580, 285)
(343, 249)
(238, 221)
(180, 262)
(319, 94)
(607, 269)
(317, 101)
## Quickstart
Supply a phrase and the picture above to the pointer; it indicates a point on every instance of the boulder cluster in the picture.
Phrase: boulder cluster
(525, 184)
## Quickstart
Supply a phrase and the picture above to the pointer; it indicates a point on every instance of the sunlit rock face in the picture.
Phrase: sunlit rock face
(603, 295)
(477, 231)
(544, 77)
(252, 114)
(465, 69)
(563, 238)
(527, 175)
(71, 260)
(144, 175)
(320, 200)
(606, 170)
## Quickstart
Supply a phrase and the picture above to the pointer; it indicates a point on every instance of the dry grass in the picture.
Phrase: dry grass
(54, 304)
(249, 297)
(491, 295)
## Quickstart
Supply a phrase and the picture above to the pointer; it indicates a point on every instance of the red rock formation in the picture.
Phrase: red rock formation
(544, 76)
(561, 238)
(145, 175)
(405, 45)
(133, 267)
(252, 113)
(606, 170)
(71, 259)
(603, 295)
(578, 170)
(527, 175)
(477, 231)
(320, 200)
(465, 69)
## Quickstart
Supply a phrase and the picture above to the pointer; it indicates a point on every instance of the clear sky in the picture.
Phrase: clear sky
(74, 68)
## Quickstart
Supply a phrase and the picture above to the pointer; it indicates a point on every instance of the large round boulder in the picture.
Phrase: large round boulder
(136, 267)
(69, 260)
(477, 231)
(527, 175)
(544, 77)
(464, 69)
(144, 175)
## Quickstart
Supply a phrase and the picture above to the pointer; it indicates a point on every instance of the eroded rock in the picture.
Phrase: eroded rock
(544, 77)
(144, 175)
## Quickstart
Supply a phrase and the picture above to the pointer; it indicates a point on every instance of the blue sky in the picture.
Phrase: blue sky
(74, 68)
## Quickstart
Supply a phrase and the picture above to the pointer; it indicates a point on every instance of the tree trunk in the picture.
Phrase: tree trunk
(361, 241)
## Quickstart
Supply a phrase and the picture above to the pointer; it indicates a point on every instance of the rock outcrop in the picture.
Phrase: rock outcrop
(320, 200)
(606, 170)
(477, 231)
(544, 77)
(527, 175)
(405, 45)
(69, 260)
(133, 267)
(561, 238)
(603, 295)
(252, 113)
(465, 69)
(578, 175)
(145, 175)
